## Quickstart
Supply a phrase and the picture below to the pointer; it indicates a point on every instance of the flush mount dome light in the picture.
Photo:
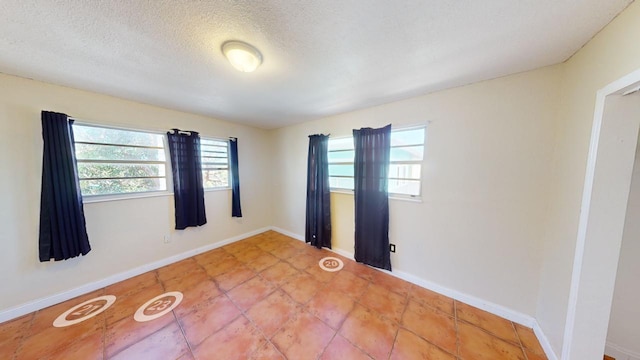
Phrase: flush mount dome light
(242, 56)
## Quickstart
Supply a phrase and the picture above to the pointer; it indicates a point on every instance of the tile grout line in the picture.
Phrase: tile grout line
(298, 306)
(131, 293)
(24, 337)
(184, 334)
(278, 287)
(355, 302)
(225, 293)
(395, 338)
(328, 343)
(455, 318)
(369, 308)
(489, 332)
(427, 340)
(349, 341)
(524, 352)
(104, 335)
(246, 316)
(244, 313)
(436, 311)
(518, 343)
(227, 324)
(175, 316)
(305, 309)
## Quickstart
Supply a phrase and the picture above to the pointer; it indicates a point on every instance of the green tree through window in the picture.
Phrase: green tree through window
(116, 161)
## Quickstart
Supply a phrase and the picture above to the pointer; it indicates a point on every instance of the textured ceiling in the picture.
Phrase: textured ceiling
(321, 57)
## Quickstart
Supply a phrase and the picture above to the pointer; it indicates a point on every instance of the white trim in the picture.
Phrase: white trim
(342, 191)
(394, 196)
(44, 302)
(632, 90)
(504, 312)
(228, 169)
(288, 233)
(544, 342)
(348, 255)
(122, 126)
(115, 126)
(582, 226)
(92, 199)
(620, 353)
(408, 198)
(403, 127)
(616, 86)
(215, 189)
(216, 138)
(132, 195)
(499, 310)
(400, 197)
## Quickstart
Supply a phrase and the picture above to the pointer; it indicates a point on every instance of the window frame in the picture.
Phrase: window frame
(229, 180)
(128, 195)
(400, 196)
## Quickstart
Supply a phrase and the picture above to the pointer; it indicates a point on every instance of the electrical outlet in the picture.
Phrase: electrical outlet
(167, 239)
(392, 248)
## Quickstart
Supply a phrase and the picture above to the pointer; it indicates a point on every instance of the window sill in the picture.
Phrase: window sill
(392, 196)
(117, 197)
(342, 191)
(416, 199)
(217, 189)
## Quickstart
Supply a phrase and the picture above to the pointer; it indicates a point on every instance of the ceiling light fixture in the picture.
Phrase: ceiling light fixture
(242, 56)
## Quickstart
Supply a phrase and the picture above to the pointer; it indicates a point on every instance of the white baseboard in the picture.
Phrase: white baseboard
(42, 303)
(509, 314)
(620, 353)
(499, 310)
(544, 342)
(288, 233)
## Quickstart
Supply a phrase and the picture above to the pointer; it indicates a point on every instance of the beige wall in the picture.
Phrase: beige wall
(485, 179)
(124, 234)
(503, 175)
(624, 325)
(611, 54)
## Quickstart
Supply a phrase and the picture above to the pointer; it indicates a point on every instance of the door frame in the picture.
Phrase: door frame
(593, 275)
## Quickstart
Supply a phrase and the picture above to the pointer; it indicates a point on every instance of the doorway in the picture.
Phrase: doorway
(624, 323)
(614, 137)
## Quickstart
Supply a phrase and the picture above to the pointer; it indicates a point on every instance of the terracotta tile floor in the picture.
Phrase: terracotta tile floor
(266, 298)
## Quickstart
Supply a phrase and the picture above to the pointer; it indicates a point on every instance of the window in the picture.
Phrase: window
(119, 161)
(214, 154)
(405, 167)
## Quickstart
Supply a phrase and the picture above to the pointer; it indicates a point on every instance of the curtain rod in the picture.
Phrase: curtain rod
(184, 132)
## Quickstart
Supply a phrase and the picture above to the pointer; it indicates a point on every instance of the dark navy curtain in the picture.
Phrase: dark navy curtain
(63, 232)
(371, 168)
(184, 148)
(236, 210)
(318, 219)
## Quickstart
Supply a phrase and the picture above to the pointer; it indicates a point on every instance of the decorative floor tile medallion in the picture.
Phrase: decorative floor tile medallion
(330, 264)
(158, 306)
(84, 311)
